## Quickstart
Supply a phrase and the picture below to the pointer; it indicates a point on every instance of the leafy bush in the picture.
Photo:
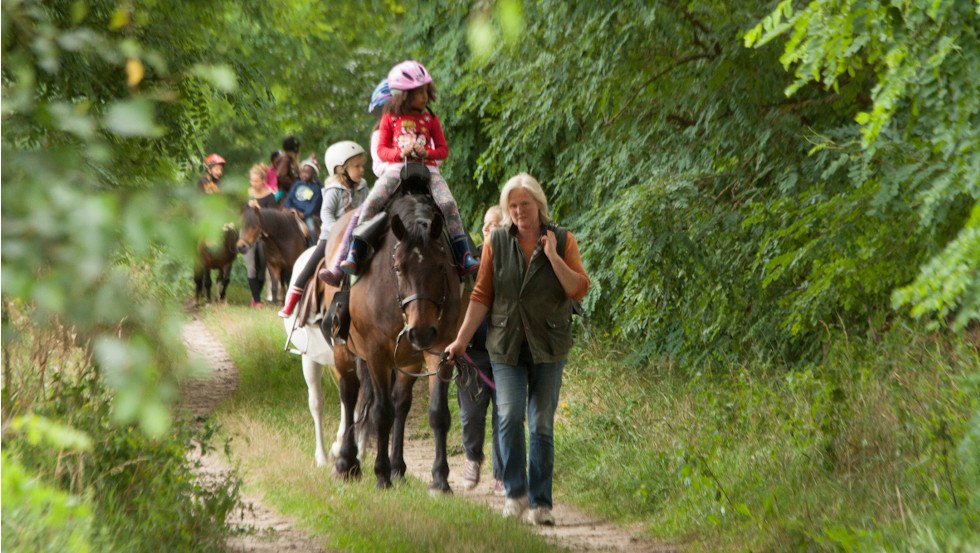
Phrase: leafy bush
(74, 480)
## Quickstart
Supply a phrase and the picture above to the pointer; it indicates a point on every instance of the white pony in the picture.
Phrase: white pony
(308, 341)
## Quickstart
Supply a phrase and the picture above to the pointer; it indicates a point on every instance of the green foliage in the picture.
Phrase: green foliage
(704, 199)
(918, 117)
(871, 450)
(75, 481)
(39, 517)
(88, 95)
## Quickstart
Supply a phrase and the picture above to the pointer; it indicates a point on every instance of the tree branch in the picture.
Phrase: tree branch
(677, 63)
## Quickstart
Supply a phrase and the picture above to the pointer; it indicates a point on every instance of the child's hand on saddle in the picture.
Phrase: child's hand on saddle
(419, 151)
(407, 150)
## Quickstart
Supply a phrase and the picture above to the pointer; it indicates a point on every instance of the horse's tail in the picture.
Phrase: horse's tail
(365, 427)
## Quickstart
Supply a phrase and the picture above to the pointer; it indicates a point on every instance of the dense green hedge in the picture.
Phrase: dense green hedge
(717, 214)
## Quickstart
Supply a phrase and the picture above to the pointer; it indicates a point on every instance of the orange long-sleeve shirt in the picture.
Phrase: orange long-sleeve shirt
(483, 289)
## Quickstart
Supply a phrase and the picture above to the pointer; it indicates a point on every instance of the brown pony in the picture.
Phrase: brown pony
(405, 308)
(209, 259)
(283, 239)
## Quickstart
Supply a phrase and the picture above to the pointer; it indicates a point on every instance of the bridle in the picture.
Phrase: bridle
(403, 303)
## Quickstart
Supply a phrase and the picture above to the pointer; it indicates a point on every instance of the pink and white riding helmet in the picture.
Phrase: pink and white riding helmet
(408, 75)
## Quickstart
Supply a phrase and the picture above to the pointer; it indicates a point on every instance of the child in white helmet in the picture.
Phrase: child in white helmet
(344, 190)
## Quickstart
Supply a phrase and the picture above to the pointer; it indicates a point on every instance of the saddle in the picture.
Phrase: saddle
(335, 322)
(298, 217)
(415, 178)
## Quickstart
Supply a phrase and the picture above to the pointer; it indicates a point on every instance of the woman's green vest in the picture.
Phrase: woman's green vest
(529, 303)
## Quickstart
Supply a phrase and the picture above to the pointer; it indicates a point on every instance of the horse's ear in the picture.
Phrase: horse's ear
(435, 228)
(398, 227)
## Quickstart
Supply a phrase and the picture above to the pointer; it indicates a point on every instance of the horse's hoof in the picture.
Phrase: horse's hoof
(383, 484)
(347, 470)
(440, 490)
(321, 460)
(398, 475)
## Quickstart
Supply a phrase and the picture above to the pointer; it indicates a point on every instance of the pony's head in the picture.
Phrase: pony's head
(419, 262)
(251, 229)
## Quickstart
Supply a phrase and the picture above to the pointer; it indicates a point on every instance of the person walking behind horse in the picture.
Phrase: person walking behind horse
(259, 196)
(214, 169)
(530, 273)
(411, 131)
(478, 395)
(344, 190)
(287, 165)
(306, 196)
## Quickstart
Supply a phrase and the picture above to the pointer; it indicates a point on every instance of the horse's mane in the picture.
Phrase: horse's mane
(275, 221)
(417, 214)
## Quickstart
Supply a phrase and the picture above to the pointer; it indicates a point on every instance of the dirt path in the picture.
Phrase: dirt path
(574, 530)
(263, 529)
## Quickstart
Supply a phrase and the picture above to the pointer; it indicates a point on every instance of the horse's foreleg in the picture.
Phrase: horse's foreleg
(198, 287)
(223, 283)
(312, 372)
(364, 424)
(335, 446)
(383, 412)
(347, 464)
(439, 421)
(207, 283)
(277, 290)
(402, 398)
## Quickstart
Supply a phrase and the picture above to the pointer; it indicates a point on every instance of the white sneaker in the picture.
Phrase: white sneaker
(540, 516)
(471, 474)
(514, 508)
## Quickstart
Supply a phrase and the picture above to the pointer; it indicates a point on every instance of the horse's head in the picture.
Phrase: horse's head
(419, 262)
(231, 237)
(251, 229)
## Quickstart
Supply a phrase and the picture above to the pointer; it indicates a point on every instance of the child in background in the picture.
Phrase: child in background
(331, 274)
(305, 196)
(259, 196)
(410, 131)
(271, 182)
(345, 189)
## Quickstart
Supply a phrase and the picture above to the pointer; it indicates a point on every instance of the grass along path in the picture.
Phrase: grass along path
(261, 527)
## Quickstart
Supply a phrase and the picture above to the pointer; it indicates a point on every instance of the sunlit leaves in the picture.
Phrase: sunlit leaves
(221, 76)
(132, 118)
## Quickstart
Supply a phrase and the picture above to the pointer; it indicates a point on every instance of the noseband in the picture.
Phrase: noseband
(403, 303)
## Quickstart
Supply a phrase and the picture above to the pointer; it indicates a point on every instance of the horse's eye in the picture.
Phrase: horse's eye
(397, 269)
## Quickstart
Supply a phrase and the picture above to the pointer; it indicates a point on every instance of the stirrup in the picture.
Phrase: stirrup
(468, 265)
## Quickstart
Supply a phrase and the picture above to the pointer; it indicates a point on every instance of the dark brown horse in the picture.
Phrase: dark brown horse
(405, 308)
(283, 240)
(209, 259)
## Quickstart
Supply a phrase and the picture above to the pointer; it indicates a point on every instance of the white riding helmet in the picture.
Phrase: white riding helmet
(311, 163)
(338, 154)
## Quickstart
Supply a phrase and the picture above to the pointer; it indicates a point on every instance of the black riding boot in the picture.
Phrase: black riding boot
(255, 286)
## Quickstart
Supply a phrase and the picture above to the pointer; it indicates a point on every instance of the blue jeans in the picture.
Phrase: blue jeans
(530, 388)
